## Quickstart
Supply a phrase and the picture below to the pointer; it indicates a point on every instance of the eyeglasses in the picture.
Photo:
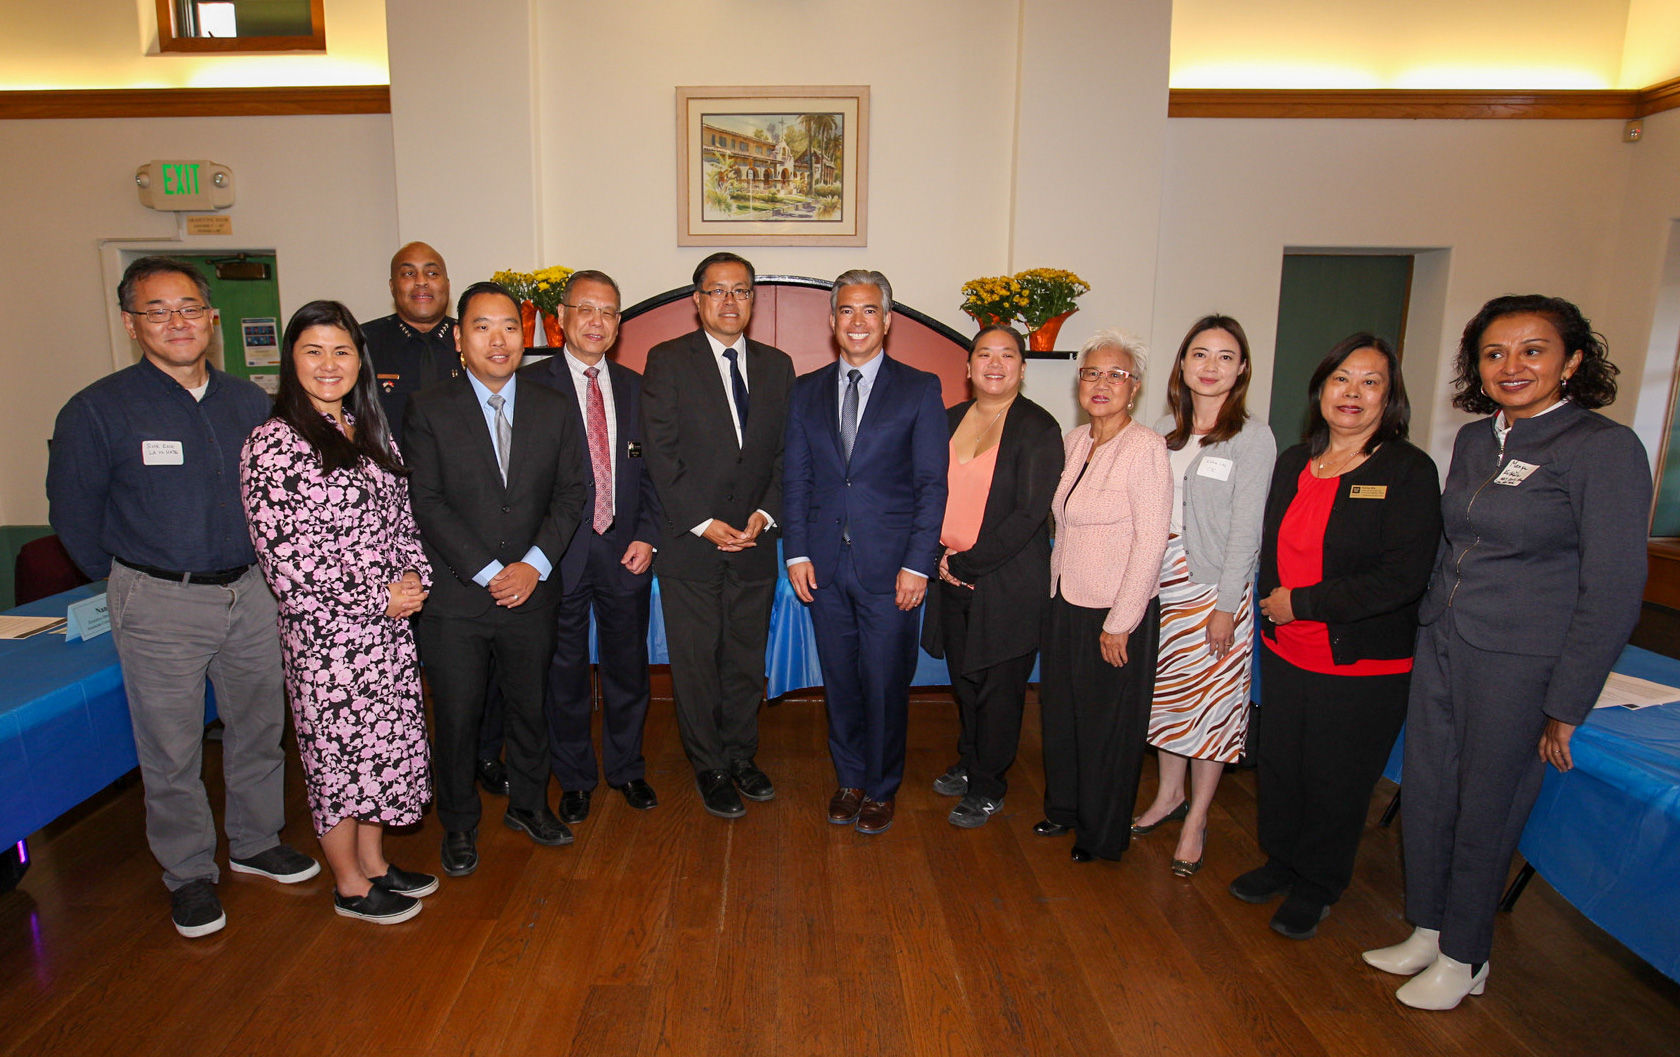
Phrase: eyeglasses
(720, 294)
(1115, 375)
(592, 312)
(162, 315)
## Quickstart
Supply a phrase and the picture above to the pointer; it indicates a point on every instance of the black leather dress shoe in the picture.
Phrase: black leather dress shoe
(574, 806)
(1046, 828)
(492, 775)
(1081, 855)
(460, 852)
(753, 783)
(638, 794)
(717, 791)
(540, 824)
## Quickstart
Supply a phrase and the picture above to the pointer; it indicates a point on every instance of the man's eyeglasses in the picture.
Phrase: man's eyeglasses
(720, 294)
(162, 315)
(592, 312)
(1115, 375)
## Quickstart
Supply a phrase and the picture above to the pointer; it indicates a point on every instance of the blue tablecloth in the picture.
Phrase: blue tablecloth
(1606, 835)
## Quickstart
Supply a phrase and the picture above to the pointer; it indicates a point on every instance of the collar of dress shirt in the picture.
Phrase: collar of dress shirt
(483, 393)
(870, 370)
(740, 348)
(578, 366)
(1502, 425)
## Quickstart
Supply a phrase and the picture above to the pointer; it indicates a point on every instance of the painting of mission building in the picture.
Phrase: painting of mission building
(772, 166)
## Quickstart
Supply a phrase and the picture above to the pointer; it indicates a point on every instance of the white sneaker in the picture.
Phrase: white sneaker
(1416, 954)
(1443, 985)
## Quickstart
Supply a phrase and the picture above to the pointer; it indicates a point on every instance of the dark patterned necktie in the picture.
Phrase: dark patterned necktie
(739, 385)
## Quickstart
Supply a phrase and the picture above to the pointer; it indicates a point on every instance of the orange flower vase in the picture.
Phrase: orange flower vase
(1044, 338)
(551, 330)
(528, 320)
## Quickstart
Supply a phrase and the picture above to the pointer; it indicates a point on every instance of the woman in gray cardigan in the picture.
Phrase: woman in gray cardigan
(1222, 465)
(1534, 594)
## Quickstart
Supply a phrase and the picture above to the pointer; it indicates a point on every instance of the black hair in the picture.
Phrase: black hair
(1181, 401)
(146, 267)
(1397, 409)
(1592, 386)
(589, 275)
(292, 404)
(484, 287)
(1000, 328)
(724, 257)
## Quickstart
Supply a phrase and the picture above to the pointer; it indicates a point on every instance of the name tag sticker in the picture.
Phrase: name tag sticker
(87, 619)
(162, 453)
(1515, 472)
(1216, 468)
(1368, 491)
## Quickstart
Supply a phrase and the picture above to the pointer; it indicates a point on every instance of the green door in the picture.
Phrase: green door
(251, 323)
(1325, 298)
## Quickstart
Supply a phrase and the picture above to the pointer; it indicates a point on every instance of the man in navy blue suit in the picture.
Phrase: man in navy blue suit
(863, 499)
(607, 563)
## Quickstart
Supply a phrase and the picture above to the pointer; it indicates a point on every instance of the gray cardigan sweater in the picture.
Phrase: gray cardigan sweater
(1222, 517)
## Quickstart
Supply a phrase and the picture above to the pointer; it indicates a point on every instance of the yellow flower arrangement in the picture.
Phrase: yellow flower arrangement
(993, 299)
(1049, 292)
(517, 283)
(546, 287)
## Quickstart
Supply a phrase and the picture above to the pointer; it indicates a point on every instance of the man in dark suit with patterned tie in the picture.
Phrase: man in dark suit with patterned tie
(607, 567)
(865, 483)
(498, 491)
(713, 408)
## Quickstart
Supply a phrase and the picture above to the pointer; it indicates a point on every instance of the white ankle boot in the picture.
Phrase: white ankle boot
(1443, 985)
(1416, 954)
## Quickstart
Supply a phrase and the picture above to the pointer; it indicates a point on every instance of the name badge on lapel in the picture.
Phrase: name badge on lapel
(1368, 491)
(1216, 468)
(633, 449)
(162, 453)
(1515, 472)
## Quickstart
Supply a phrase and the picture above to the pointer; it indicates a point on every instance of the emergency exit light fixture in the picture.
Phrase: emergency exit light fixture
(180, 186)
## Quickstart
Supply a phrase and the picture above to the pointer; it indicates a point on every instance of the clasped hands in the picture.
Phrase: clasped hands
(727, 537)
(512, 587)
(406, 596)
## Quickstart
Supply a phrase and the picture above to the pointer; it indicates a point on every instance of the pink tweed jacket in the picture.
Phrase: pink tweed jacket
(1112, 531)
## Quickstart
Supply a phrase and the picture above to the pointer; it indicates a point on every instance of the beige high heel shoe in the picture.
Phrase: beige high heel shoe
(1410, 957)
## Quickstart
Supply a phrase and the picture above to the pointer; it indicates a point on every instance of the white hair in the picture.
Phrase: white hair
(1115, 338)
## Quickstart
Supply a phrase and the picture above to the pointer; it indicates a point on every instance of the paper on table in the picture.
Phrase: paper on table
(23, 627)
(1626, 691)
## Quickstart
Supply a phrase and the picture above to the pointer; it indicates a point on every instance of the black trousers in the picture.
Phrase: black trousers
(989, 700)
(458, 652)
(621, 622)
(716, 629)
(1096, 720)
(1472, 775)
(1323, 741)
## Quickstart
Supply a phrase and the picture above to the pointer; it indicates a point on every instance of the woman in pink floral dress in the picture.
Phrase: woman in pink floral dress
(327, 499)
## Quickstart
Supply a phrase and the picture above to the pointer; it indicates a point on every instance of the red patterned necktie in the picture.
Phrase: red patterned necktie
(600, 452)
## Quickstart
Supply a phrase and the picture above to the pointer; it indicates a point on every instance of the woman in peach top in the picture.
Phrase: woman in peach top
(1112, 509)
(983, 617)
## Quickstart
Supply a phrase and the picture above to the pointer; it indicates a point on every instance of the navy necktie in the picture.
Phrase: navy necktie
(739, 385)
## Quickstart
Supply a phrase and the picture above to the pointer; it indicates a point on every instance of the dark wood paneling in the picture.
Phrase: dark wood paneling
(196, 102)
(1393, 103)
(1664, 95)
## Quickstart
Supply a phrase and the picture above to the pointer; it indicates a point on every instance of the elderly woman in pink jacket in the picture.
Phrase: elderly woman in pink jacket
(1112, 510)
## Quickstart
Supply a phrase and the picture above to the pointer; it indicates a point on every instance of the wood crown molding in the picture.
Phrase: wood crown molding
(195, 102)
(1439, 104)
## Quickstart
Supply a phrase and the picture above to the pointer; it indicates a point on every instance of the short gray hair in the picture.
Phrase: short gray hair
(1115, 338)
(861, 277)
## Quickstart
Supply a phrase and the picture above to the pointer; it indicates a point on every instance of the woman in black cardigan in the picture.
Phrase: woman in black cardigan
(1006, 460)
(1350, 533)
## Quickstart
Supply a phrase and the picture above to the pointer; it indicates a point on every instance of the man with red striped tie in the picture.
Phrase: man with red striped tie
(607, 567)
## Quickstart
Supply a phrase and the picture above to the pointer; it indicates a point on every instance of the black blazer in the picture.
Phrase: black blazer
(1378, 552)
(467, 517)
(1009, 564)
(698, 468)
(636, 514)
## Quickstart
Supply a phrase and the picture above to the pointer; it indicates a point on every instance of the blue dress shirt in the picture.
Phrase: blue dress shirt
(533, 557)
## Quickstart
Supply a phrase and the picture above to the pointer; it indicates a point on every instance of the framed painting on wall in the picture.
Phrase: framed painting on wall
(776, 166)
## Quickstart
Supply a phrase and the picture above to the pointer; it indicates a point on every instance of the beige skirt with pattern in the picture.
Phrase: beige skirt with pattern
(1201, 705)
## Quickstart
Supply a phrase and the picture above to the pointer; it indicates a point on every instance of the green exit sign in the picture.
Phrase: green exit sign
(184, 185)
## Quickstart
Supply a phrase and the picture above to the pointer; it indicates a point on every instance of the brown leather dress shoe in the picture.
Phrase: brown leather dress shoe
(844, 805)
(875, 816)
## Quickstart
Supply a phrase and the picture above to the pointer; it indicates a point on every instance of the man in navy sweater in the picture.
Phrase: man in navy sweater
(143, 481)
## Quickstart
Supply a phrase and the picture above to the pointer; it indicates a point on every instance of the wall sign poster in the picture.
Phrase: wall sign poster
(262, 342)
(774, 166)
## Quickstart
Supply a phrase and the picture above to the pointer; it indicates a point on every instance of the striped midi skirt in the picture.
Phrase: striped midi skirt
(1201, 704)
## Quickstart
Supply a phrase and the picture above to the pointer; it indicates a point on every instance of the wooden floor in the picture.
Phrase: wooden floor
(671, 932)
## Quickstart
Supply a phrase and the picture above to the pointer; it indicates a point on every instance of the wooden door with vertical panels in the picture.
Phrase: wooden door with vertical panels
(791, 313)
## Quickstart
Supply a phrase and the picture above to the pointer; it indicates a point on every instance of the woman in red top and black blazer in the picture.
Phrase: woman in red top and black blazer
(1351, 528)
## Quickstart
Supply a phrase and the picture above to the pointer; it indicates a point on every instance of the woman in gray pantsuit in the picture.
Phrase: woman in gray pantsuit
(1533, 597)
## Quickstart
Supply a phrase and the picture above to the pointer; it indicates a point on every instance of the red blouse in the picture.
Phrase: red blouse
(1300, 563)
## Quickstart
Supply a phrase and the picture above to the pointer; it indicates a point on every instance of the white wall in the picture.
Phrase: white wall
(113, 44)
(317, 190)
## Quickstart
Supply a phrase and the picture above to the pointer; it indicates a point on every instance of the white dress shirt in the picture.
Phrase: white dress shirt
(718, 349)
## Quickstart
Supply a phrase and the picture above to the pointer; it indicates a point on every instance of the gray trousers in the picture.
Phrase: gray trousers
(1472, 774)
(169, 636)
